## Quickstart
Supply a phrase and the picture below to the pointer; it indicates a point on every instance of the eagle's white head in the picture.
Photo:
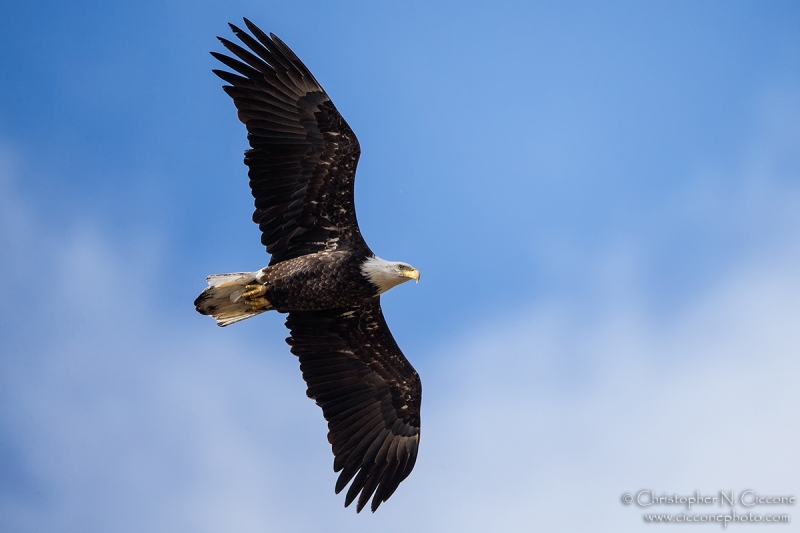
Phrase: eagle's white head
(386, 274)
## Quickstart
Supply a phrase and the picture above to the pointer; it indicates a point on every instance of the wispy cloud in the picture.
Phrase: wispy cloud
(546, 421)
(547, 416)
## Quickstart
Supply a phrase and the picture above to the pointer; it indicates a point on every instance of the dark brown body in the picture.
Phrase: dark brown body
(323, 280)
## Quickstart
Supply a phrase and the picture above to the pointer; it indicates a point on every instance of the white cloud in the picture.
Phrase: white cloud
(116, 417)
(547, 422)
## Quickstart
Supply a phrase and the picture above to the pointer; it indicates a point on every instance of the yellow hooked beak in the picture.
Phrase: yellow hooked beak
(412, 274)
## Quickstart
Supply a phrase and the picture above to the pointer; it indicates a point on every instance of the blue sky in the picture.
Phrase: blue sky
(603, 200)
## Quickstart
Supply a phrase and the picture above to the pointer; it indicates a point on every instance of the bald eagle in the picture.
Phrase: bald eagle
(302, 164)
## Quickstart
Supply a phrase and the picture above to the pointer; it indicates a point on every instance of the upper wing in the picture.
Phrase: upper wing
(369, 393)
(304, 155)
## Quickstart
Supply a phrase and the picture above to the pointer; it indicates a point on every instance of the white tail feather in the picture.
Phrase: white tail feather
(222, 298)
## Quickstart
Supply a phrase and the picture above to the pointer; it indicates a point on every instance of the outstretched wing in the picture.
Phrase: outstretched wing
(304, 155)
(369, 393)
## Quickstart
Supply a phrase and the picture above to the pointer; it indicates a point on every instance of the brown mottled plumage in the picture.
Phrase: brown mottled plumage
(302, 165)
(324, 280)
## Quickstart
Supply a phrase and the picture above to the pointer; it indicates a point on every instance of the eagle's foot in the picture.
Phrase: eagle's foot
(254, 297)
(254, 291)
(256, 304)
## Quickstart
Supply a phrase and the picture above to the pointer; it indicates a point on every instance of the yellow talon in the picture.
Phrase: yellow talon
(258, 303)
(254, 297)
(254, 291)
